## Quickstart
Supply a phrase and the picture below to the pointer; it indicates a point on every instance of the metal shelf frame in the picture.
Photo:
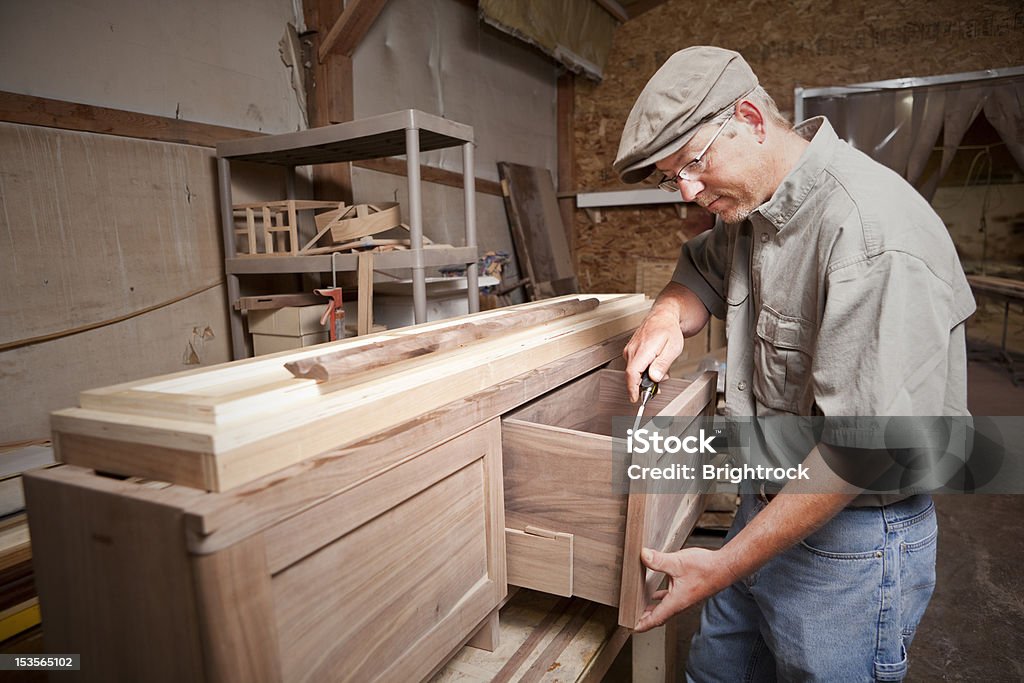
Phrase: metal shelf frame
(408, 132)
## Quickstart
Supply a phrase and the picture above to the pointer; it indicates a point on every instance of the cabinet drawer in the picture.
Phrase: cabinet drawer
(558, 475)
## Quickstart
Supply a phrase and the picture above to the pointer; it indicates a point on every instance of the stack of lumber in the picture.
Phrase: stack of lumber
(19, 607)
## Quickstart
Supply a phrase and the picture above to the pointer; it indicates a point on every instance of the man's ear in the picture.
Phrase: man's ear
(750, 115)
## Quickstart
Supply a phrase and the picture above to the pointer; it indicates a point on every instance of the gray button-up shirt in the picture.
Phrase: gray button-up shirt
(843, 294)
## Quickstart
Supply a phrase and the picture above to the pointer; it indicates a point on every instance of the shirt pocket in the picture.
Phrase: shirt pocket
(782, 359)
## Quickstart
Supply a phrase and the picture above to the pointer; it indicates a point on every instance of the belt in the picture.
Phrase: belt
(764, 496)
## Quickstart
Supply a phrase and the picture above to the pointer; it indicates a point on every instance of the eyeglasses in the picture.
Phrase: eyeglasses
(694, 167)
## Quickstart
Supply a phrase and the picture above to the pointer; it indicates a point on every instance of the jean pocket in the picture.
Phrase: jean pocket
(850, 535)
(917, 574)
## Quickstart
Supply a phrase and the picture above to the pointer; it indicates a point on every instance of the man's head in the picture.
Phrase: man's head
(706, 125)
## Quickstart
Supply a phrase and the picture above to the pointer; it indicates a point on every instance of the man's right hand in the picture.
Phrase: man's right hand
(655, 344)
(659, 339)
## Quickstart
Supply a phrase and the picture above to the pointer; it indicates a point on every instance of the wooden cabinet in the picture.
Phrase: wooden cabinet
(571, 529)
(242, 523)
(379, 580)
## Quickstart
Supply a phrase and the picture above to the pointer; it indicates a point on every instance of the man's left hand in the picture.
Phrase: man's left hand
(693, 575)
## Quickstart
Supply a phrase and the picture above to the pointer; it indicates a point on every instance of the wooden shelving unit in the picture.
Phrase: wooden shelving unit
(408, 132)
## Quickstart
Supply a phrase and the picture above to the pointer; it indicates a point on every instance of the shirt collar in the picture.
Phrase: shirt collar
(798, 183)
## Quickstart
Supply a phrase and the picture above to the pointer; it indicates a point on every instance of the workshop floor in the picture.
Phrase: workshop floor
(972, 630)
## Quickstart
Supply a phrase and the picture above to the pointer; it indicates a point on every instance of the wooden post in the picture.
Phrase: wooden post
(566, 110)
(364, 314)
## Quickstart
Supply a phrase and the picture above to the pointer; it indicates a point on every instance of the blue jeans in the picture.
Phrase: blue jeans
(842, 605)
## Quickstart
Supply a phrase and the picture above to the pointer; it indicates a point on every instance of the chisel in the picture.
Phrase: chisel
(648, 388)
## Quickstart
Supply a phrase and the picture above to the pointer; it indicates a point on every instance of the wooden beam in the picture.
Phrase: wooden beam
(565, 119)
(350, 28)
(328, 98)
(40, 111)
(615, 9)
(643, 6)
(428, 174)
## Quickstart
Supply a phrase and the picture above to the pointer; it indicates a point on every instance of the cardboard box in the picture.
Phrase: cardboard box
(272, 343)
(290, 321)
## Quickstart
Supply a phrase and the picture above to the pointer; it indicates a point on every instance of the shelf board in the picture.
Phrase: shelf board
(321, 263)
(369, 138)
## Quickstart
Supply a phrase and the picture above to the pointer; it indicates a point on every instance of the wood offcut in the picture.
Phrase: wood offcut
(342, 364)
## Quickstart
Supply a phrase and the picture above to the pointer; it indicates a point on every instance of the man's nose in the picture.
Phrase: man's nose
(689, 189)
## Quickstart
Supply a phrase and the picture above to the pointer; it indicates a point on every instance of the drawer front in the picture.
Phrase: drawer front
(415, 560)
(558, 476)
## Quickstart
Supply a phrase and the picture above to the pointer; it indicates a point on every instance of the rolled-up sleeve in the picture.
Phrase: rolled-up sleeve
(703, 267)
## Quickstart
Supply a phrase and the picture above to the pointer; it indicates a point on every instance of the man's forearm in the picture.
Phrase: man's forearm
(789, 518)
(684, 305)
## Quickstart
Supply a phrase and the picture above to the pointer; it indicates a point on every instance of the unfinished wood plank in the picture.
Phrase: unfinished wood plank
(537, 230)
(340, 364)
(364, 308)
(581, 612)
(565, 121)
(429, 174)
(360, 220)
(540, 559)
(41, 111)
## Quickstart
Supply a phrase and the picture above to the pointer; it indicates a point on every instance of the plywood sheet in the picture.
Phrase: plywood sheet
(96, 227)
(44, 377)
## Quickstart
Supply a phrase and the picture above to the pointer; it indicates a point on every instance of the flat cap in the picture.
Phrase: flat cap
(692, 87)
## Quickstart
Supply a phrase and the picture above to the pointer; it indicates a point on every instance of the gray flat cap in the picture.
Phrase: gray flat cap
(690, 88)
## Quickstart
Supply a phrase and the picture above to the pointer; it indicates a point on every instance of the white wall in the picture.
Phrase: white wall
(96, 228)
(199, 60)
(436, 56)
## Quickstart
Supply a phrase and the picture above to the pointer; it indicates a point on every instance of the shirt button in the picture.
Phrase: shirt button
(742, 386)
(764, 237)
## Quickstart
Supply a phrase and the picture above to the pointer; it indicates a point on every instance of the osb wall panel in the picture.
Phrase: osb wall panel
(607, 252)
(807, 43)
